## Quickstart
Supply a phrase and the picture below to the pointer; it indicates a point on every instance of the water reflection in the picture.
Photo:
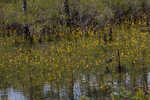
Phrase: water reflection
(93, 86)
(11, 94)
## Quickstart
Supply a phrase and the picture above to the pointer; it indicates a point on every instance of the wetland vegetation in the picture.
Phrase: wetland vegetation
(74, 50)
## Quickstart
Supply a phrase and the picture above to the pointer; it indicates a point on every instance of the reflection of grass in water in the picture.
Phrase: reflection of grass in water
(124, 94)
(4, 97)
(59, 61)
(84, 98)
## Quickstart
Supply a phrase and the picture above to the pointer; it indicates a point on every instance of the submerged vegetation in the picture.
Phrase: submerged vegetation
(77, 49)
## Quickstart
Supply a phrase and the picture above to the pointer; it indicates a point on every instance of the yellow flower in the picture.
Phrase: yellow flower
(10, 60)
(87, 66)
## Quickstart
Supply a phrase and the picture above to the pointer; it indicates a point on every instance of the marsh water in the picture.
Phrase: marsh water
(47, 73)
(98, 85)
